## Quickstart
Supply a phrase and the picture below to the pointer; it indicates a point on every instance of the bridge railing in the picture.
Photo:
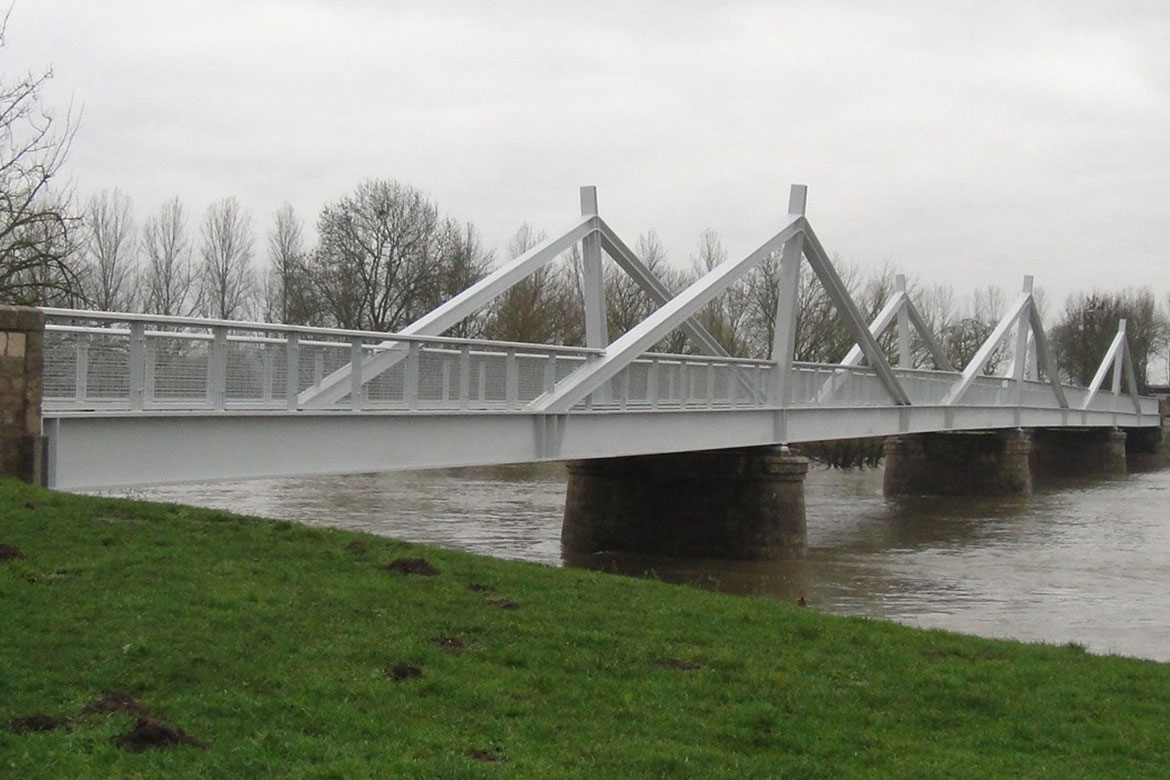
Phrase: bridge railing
(123, 362)
(133, 362)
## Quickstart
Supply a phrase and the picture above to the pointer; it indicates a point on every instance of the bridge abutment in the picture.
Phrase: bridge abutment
(992, 463)
(736, 504)
(21, 365)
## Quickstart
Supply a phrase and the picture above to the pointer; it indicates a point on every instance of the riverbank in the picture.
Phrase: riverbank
(225, 646)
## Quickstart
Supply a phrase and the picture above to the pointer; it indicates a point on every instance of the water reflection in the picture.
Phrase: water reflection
(1082, 560)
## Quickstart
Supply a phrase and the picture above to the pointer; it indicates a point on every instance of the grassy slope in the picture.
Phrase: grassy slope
(270, 642)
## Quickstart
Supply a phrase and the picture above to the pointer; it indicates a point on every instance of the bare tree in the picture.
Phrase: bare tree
(546, 307)
(626, 302)
(109, 252)
(464, 261)
(727, 315)
(287, 291)
(36, 223)
(1089, 323)
(386, 258)
(226, 279)
(168, 276)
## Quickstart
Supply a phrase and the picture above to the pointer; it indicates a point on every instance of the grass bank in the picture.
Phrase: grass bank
(147, 640)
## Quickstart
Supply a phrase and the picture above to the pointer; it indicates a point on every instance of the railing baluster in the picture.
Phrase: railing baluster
(292, 370)
(137, 356)
(268, 370)
(652, 383)
(550, 372)
(81, 369)
(511, 380)
(217, 369)
(355, 374)
(464, 376)
(483, 364)
(410, 377)
(148, 375)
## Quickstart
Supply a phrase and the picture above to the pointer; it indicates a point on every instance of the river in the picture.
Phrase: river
(1084, 561)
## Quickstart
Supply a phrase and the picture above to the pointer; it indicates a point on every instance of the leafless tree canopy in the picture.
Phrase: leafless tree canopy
(226, 279)
(385, 257)
(169, 277)
(36, 225)
(109, 250)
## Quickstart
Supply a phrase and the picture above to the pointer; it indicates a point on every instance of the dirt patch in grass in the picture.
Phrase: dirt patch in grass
(476, 587)
(479, 754)
(356, 546)
(449, 644)
(400, 672)
(39, 722)
(418, 566)
(149, 733)
(678, 663)
(8, 552)
(501, 602)
(117, 702)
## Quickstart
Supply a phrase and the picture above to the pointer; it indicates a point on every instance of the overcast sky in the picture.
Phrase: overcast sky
(965, 142)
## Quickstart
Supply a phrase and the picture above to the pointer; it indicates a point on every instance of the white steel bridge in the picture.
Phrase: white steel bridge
(137, 399)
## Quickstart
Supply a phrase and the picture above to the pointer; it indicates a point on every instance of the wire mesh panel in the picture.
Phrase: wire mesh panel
(178, 368)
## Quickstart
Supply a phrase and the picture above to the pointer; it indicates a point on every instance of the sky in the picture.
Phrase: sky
(965, 143)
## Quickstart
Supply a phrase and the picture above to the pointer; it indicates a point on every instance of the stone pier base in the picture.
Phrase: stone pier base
(994, 463)
(21, 357)
(735, 504)
(1064, 452)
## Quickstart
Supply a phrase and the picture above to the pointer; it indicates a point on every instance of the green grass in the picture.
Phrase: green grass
(270, 643)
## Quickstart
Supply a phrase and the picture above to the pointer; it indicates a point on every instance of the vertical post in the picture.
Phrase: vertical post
(652, 383)
(292, 370)
(550, 372)
(511, 380)
(1118, 359)
(148, 378)
(1023, 330)
(22, 450)
(410, 378)
(217, 368)
(268, 372)
(464, 376)
(355, 374)
(784, 339)
(81, 369)
(593, 282)
(905, 346)
(318, 368)
(137, 365)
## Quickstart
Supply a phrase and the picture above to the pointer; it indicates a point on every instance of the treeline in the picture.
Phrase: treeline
(384, 255)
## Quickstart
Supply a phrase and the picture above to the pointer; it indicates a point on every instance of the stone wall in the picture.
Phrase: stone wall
(21, 360)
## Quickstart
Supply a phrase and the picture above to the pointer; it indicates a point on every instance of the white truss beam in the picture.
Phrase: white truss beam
(338, 385)
(653, 286)
(591, 376)
(1118, 358)
(839, 294)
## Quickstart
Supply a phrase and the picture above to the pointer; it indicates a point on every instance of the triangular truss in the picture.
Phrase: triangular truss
(1030, 340)
(796, 242)
(591, 232)
(1119, 359)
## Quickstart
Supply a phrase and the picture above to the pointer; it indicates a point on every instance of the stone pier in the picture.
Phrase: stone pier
(21, 345)
(736, 504)
(1075, 452)
(988, 463)
(999, 463)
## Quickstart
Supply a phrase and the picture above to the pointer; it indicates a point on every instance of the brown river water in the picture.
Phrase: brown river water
(1084, 561)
